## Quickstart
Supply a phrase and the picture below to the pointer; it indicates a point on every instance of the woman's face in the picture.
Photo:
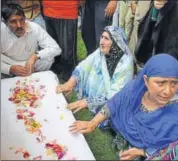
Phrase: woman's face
(161, 90)
(105, 43)
(159, 3)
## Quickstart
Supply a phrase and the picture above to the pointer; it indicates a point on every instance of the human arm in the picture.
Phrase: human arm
(77, 105)
(31, 62)
(89, 126)
(122, 75)
(12, 67)
(110, 8)
(77, 79)
(49, 47)
(19, 70)
(131, 154)
(66, 87)
(91, 103)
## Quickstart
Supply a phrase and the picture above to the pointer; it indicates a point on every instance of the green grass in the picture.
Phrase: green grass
(98, 141)
(81, 50)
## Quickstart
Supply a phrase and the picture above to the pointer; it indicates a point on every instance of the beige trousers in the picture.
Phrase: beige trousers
(141, 10)
(126, 18)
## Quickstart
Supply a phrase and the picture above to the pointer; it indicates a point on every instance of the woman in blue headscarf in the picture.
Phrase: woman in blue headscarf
(102, 74)
(145, 111)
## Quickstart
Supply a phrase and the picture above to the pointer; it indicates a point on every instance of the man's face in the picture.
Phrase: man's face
(159, 3)
(16, 24)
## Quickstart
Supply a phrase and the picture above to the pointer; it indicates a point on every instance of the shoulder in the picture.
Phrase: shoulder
(5, 32)
(91, 59)
(95, 55)
(126, 60)
(4, 27)
(32, 24)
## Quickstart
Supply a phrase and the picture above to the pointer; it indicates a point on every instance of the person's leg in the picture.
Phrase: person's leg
(123, 8)
(52, 31)
(129, 23)
(50, 27)
(69, 57)
(88, 27)
(133, 37)
(100, 20)
(66, 32)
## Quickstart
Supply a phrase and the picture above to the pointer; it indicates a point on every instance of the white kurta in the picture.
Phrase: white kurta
(16, 51)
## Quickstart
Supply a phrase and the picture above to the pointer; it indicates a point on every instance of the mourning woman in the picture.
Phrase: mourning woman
(145, 112)
(102, 74)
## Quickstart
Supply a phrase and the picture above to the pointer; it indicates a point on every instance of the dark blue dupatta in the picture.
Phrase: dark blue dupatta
(154, 130)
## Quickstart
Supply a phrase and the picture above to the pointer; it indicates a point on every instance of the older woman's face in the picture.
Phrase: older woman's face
(161, 90)
(159, 3)
(105, 43)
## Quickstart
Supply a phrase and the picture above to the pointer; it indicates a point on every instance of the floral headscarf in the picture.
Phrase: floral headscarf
(117, 49)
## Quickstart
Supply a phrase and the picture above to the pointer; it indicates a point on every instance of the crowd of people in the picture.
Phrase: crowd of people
(129, 78)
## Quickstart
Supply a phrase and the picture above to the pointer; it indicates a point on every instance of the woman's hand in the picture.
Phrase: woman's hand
(78, 105)
(82, 127)
(131, 154)
(87, 126)
(66, 87)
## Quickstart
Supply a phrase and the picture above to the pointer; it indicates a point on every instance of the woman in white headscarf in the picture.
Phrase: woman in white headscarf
(101, 74)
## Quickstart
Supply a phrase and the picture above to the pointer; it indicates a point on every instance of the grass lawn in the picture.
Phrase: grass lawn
(99, 141)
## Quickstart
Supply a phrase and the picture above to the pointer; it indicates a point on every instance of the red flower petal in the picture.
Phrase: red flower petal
(26, 155)
(19, 117)
(49, 145)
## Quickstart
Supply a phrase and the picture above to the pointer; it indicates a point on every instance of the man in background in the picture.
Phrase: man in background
(25, 46)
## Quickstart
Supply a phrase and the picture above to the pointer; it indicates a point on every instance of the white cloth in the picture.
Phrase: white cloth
(16, 51)
(13, 133)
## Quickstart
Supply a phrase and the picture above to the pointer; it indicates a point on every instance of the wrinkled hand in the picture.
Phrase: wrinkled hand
(19, 70)
(110, 9)
(131, 154)
(66, 88)
(77, 106)
(82, 127)
(30, 63)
